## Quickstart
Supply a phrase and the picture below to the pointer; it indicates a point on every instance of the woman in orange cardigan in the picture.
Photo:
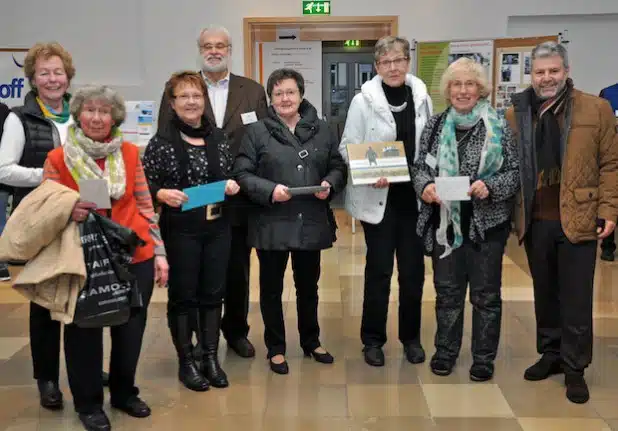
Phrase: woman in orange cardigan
(95, 149)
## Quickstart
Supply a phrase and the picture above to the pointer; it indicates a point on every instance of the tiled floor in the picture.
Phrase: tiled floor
(348, 395)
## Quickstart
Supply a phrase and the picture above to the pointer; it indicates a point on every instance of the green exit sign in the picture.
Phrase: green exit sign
(316, 7)
(352, 43)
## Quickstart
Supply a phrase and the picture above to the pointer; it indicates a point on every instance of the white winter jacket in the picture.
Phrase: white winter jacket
(371, 120)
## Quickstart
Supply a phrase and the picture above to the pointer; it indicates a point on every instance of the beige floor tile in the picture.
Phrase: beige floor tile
(466, 400)
(272, 423)
(386, 400)
(396, 371)
(10, 345)
(394, 423)
(563, 424)
(476, 424)
(544, 399)
(306, 402)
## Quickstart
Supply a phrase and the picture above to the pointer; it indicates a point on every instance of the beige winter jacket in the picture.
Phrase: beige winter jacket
(40, 231)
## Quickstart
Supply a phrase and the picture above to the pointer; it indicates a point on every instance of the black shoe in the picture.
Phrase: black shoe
(96, 421)
(546, 366)
(51, 397)
(210, 328)
(441, 367)
(576, 388)
(242, 347)
(374, 356)
(607, 255)
(105, 378)
(189, 373)
(134, 406)
(324, 358)
(281, 368)
(5, 275)
(414, 353)
(481, 372)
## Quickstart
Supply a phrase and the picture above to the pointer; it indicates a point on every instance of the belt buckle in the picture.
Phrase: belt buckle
(302, 154)
(214, 211)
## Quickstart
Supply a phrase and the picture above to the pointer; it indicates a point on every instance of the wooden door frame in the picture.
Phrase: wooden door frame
(253, 22)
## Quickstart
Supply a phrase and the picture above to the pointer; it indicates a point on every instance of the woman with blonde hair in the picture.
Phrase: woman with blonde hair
(467, 238)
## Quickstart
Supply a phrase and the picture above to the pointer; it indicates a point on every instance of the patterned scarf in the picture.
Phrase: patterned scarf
(448, 162)
(57, 117)
(80, 153)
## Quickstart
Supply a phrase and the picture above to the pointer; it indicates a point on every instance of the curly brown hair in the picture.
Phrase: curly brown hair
(187, 77)
(46, 50)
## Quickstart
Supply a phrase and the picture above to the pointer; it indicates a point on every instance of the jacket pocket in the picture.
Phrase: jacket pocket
(586, 194)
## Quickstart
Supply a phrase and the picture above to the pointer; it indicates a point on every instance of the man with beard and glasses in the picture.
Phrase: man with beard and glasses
(231, 103)
(568, 201)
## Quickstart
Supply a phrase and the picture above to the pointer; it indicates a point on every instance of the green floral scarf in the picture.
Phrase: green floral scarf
(448, 162)
(80, 153)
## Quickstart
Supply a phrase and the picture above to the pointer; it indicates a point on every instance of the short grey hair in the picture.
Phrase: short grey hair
(464, 65)
(214, 29)
(98, 92)
(387, 43)
(551, 49)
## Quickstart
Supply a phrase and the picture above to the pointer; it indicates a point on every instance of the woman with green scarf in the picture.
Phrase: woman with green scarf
(466, 238)
(30, 132)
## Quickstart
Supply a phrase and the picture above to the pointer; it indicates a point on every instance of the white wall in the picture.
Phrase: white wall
(593, 45)
(136, 44)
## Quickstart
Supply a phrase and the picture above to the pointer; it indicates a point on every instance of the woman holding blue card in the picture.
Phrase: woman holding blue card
(281, 159)
(185, 153)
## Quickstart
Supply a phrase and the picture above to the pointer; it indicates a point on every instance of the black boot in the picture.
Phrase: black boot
(188, 372)
(210, 327)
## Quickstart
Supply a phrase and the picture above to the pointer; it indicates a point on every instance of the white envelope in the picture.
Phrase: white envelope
(96, 192)
(453, 188)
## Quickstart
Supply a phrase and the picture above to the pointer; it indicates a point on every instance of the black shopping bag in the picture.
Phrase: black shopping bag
(110, 290)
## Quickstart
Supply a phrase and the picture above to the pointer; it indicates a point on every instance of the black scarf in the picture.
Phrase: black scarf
(404, 120)
(215, 173)
(547, 132)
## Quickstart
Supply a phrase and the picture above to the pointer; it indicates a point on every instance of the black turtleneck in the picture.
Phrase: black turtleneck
(402, 194)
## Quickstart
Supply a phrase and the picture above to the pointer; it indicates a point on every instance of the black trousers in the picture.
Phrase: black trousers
(479, 265)
(234, 324)
(306, 267)
(198, 257)
(563, 278)
(394, 235)
(608, 245)
(44, 343)
(83, 349)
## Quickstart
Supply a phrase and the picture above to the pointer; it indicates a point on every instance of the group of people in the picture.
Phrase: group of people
(550, 167)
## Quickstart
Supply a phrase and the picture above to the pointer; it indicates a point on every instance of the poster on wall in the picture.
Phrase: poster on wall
(13, 85)
(304, 57)
(138, 126)
(514, 67)
(434, 57)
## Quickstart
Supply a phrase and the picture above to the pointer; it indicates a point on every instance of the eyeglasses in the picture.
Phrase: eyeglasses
(468, 85)
(186, 97)
(218, 46)
(288, 93)
(397, 62)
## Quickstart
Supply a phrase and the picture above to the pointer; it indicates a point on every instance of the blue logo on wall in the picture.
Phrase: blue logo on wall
(13, 90)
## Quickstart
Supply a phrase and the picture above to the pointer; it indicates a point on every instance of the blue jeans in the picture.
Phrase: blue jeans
(4, 203)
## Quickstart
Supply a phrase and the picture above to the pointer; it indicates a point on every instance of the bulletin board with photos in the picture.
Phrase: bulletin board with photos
(513, 68)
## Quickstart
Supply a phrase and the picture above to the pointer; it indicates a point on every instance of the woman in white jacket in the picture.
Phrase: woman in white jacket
(393, 106)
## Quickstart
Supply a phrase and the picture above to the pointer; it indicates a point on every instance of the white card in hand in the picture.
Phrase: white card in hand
(95, 191)
(453, 188)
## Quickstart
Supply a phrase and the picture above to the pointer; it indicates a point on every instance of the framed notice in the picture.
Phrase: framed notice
(374, 160)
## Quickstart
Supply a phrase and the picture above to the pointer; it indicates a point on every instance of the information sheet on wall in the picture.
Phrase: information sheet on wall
(434, 57)
(515, 72)
(138, 126)
(304, 57)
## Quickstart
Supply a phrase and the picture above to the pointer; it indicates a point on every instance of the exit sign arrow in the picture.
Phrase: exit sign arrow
(292, 37)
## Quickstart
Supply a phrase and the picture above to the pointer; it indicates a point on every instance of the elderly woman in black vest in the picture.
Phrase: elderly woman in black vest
(30, 132)
(291, 148)
(188, 151)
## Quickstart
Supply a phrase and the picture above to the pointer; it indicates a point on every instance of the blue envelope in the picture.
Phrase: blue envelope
(206, 194)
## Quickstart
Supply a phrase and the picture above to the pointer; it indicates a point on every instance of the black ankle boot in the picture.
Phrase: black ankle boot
(210, 327)
(188, 372)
